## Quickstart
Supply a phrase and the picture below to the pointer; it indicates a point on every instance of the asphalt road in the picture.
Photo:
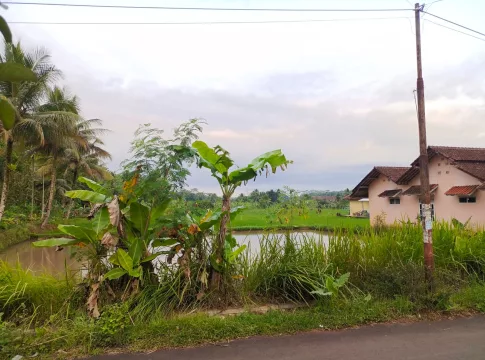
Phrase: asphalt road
(462, 339)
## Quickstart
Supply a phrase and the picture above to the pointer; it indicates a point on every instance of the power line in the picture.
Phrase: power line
(195, 8)
(450, 28)
(203, 22)
(454, 23)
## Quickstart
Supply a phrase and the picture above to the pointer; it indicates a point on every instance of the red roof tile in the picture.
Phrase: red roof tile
(455, 154)
(459, 153)
(462, 190)
(410, 174)
(392, 172)
(390, 193)
(475, 169)
(416, 189)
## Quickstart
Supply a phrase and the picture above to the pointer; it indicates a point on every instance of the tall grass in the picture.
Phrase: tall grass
(282, 267)
(385, 262)
(24, 294)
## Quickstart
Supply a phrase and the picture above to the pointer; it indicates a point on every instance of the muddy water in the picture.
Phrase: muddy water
(48, 260)
(42, 260)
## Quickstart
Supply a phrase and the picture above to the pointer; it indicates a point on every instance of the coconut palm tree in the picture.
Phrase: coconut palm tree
(86, 158)
(28, 97)
(60, 139)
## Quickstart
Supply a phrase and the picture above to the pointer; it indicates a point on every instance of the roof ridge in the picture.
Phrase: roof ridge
(456, 147)
(393, 167)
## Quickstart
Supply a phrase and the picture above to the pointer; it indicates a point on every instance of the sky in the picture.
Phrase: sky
(335, 96)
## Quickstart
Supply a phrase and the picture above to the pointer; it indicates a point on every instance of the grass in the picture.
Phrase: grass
(14, 235)
(386, 282)
(25, 294)
(80, 335)
(259, 219)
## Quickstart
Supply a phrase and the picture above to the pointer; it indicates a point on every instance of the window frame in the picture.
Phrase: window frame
(397, 201)
(433, 214)
(467, 198)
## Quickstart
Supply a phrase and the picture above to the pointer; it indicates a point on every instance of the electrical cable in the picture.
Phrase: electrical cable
(454, 23)
(203, 22)
(461, 32)
(194, 8)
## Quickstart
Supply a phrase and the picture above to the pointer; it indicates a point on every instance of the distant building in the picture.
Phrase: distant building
(327, 198)
(457, 177)
(358, 206)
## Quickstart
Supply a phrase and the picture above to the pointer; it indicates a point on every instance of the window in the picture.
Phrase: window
(421, 211)
(394, 201)
(468, 199)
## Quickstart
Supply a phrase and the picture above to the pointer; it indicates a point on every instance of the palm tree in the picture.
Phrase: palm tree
(26, 97)
(87, 157)
(60, 139)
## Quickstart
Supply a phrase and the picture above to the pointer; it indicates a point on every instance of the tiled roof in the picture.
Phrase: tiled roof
(455, 154)
(390, 193)
(460, 153)
(475, 169)
(410, 174)
(462, 190)
(469, 160)
(392, 172)
(351, 198)
(416, 189)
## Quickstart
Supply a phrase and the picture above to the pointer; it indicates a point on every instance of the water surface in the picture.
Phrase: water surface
(48, 260)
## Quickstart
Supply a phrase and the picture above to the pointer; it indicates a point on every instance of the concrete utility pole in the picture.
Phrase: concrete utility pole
(426, 218)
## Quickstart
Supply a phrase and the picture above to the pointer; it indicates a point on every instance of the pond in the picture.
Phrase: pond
(48, 260)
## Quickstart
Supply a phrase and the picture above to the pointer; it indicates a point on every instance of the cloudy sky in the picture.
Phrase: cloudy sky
(335, 96)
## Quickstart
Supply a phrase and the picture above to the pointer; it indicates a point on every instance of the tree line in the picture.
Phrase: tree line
(46, 142)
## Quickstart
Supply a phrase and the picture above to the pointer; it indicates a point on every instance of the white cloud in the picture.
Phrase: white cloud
(337, 97)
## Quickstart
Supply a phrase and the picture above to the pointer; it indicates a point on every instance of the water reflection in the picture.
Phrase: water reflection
(253, 238)
(42, 260)
(48, 260)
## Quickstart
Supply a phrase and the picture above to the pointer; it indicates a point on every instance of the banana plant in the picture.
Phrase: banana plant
(133, 222)
(219, 162)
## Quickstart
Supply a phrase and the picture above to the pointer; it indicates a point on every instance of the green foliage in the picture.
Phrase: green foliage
(15, 234)
(252, 218)
(7, 111)
(86, 195)
(5, 30)
(332, 285)
(25, 294)
(217, 160)
(13, 72)
(110, 326)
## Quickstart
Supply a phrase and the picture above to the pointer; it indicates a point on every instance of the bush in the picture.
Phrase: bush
(14, 235)
(109, 329)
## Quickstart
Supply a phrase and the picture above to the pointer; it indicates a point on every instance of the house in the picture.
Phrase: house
(358, 206)
(456, 175)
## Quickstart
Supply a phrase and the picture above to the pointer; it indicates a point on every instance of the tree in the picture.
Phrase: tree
(26, 96)
(218, 161)
(10, 71)
(60, 138)
(273, 195)
(159, 167)
(86, 156)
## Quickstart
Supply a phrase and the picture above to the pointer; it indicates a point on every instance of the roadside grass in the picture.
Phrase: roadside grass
(80, 336)
(259, 219)
(43, 314)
